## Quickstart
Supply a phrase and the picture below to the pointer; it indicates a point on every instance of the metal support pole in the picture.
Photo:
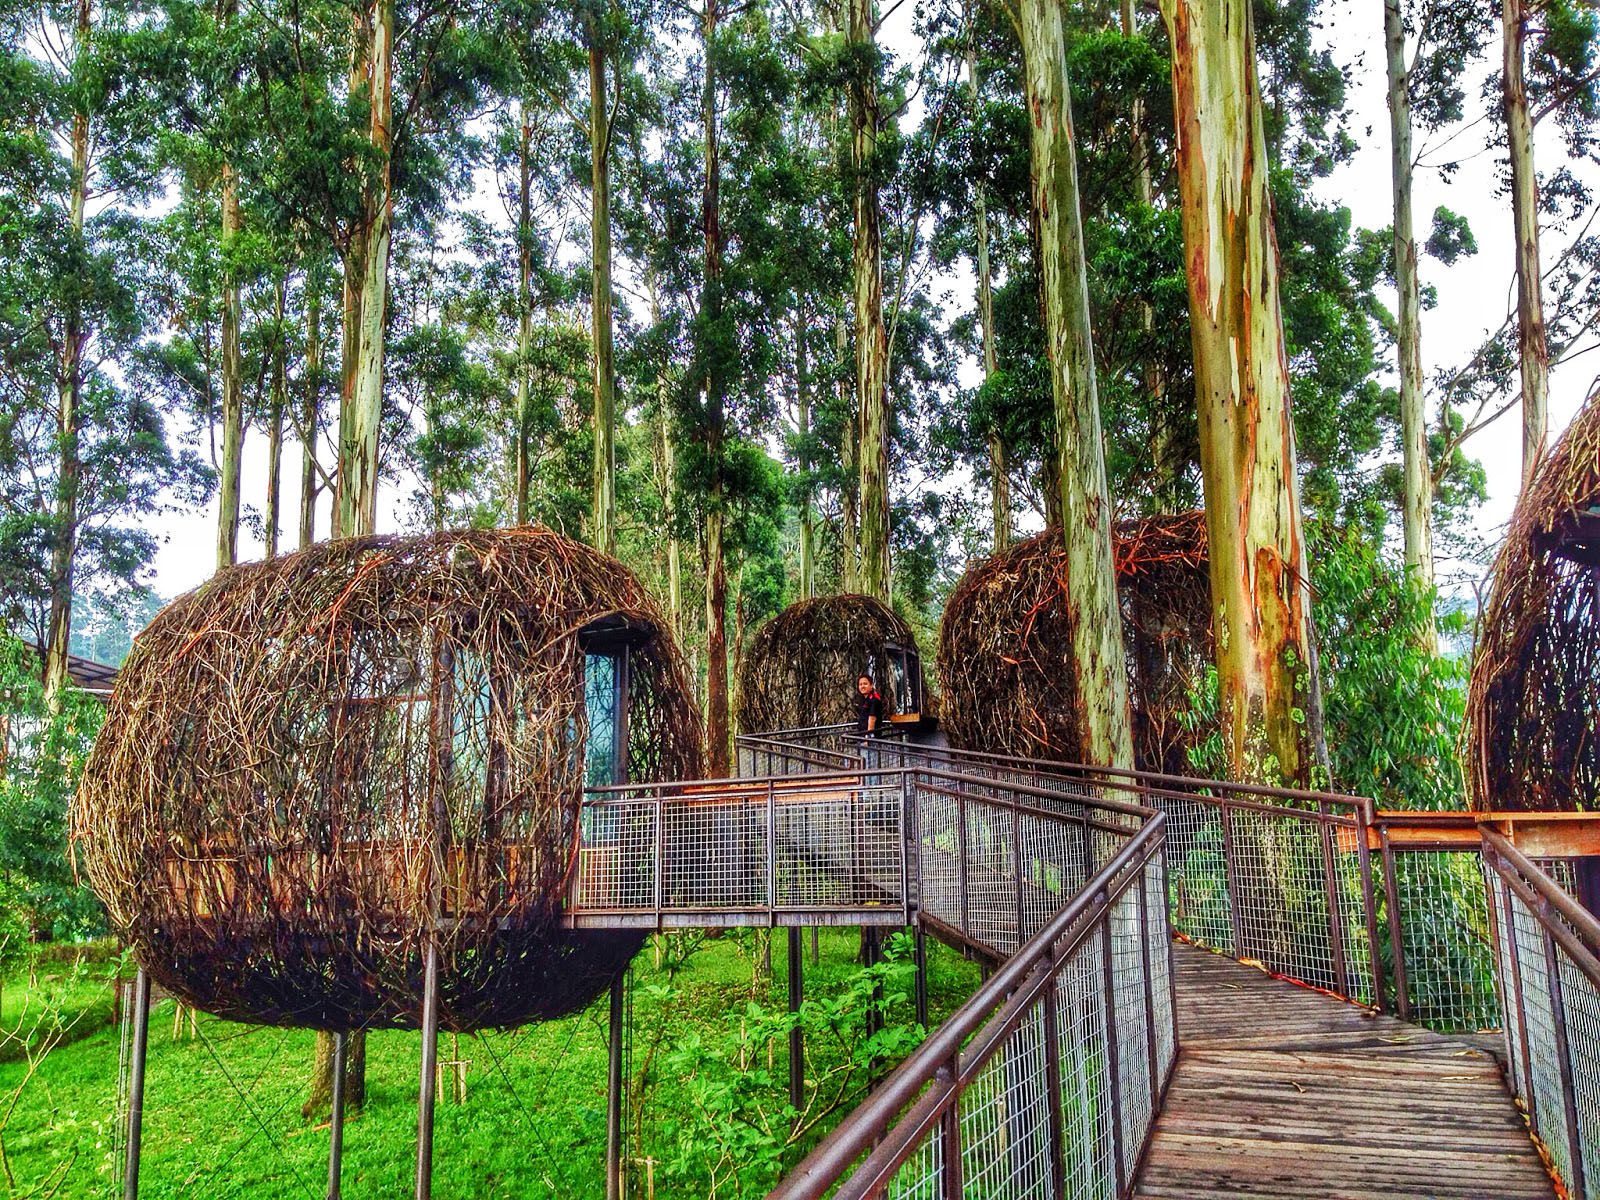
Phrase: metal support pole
(919, 950)
(141, 1045)
(336, 1115)
(1231, 872)
(614, 1097)
(797, 1037)
(430, 1054)
(1569, 1096)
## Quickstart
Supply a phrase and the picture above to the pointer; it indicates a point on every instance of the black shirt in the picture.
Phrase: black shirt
(867, 707)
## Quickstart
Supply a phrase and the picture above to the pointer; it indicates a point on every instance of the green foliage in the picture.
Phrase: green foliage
(45, 756)
(1392, 705)
(533, 1122)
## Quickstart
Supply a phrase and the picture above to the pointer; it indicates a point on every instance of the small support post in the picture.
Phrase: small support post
(141, 1046)
(797, 1043)
(1113, 1049)
(430, 1054)
(336, 1116)
(614, 1096)
(1569, 1097)
(1052, 1090)
(919, 950)
(1231, 871)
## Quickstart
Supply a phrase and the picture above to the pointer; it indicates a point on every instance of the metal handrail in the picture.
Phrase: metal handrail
(930, 1080)
(1184, 785)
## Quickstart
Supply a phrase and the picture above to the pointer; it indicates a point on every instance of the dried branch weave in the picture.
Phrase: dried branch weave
(801, 666)
(1533, 705)
(312, 766)
(1005, 644)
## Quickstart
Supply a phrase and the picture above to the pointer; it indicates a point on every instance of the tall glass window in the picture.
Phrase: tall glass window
(602, 700)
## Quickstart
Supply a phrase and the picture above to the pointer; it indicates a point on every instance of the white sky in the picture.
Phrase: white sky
(1473, 297)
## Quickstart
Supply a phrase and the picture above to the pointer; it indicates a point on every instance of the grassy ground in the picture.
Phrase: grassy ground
(222, 1117)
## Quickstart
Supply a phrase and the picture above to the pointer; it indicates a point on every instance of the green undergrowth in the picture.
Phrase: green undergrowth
(708, 1109)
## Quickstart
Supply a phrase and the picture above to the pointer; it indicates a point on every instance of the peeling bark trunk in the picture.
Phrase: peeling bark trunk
(524, 450)
(311, 410)
(69, 418)
(1259, 591)
(1531, 344)
(802, 403)
(362, 415)
(717, 706)
(605, 379)
(872, 339)
(1417, 504)
(275, 410)
(669, 471)
(999, 481)
(232, 385)
(1099, 662)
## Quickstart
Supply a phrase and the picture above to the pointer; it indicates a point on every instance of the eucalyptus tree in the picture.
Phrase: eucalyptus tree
(81, 451)
(1259, 580)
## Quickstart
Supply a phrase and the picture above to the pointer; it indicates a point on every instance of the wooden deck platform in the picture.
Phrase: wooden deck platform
(1280, 1091)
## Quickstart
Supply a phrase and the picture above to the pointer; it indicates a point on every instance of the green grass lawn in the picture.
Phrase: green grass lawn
(222, 1118)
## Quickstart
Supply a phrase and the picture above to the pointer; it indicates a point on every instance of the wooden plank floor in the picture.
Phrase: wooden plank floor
(1280, 1091)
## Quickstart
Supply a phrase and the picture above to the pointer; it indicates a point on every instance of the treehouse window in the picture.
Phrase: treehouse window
(904, 679)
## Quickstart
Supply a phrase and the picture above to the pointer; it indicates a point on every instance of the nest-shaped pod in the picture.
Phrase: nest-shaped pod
(801, 666)
(1533, 705)
(313, 767)
(1005, 645)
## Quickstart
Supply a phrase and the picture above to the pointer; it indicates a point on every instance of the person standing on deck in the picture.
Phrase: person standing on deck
(869, 707)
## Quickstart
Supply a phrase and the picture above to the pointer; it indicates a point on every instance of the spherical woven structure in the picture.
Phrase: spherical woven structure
(313, 768)
(801, 666)
(1533, 704)
(1005, 644)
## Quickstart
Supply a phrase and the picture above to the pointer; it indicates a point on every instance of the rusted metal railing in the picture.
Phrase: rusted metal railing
(1276, 875)
(1548, 950)
(1047, 1081)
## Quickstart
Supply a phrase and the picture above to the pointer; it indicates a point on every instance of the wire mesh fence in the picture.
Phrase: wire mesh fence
(827, 847)
(1548, 950)
(1047, 1082)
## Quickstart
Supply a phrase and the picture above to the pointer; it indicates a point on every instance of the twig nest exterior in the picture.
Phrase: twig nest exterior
(800, 668)
(1005, 644)
(313, 767)
(1533, 704)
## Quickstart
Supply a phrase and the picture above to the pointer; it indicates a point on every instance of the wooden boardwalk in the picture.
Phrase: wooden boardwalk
(1280, 1091)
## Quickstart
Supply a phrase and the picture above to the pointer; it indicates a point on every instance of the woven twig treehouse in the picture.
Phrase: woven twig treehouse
(1005, 646)
(316, 768)
(801, 666)
(1533, 706)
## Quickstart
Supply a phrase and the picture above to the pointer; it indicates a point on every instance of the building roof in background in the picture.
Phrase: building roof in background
(97, 678)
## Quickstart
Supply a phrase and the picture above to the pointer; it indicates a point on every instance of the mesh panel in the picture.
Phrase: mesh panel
(1447, 947)
(1005, 1115)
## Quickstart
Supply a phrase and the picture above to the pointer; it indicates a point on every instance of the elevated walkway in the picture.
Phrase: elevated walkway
(1281, 1091)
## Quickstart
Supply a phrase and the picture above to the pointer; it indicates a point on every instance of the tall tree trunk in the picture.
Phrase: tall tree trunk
(1099, 661)
(69, 414)
(605, 382)
(872, 339)
(232, 382)
(275, 410)
(849, 513)
(1531, 344)
(669, 471)
(311, 409)
(1166, 452)
(1259, 589)
(366, 282)
(717, 714)
(802, 404)
(362, 417)
(999, 480)
(524, 448)
(1417, 506)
